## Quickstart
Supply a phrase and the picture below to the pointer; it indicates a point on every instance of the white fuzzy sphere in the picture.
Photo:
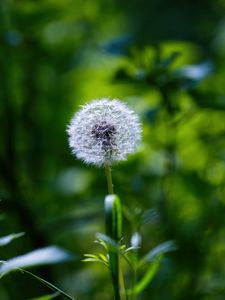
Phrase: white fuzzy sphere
(104, 131)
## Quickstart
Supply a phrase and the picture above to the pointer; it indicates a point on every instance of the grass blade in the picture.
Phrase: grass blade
(43, 281)
(49, 285)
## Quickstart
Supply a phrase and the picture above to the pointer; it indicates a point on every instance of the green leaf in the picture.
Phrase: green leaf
(154, 256)
(108, 241)
(101, 242)
(147, 278)
(5, 240)
(101, 258)
(114, 247)
(43, 256)
(113, 213)
(157, 251)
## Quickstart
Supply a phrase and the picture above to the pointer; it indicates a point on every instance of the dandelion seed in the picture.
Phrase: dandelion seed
(103, 132)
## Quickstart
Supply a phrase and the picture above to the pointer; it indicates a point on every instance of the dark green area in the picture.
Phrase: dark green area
(166, 59)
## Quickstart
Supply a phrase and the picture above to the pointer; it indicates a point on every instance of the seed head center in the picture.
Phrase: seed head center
(104, 132)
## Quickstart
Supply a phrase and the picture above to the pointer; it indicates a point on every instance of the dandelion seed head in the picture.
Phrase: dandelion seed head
(104, 131)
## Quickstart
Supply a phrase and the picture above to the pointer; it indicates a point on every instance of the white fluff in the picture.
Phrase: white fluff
(104, 131)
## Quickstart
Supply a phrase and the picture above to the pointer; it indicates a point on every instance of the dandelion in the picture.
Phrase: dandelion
(103, 132)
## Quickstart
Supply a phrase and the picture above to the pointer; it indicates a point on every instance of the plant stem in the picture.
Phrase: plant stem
(134, 280)
(113, 229)
(121, 283)
(109, 178)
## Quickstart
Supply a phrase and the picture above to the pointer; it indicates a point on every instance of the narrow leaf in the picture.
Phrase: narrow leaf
(157, 251)
(94, 258)
(5, 240)
(113, 214)
(43, 256)
(48, 284)
(147, 278)
(111, 243)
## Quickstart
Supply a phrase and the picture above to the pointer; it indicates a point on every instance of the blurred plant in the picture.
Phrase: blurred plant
(172, 69)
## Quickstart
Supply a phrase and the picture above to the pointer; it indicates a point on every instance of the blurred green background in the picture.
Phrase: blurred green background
(166, 59)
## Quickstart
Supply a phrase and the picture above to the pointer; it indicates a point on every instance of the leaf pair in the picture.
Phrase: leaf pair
(43, 256)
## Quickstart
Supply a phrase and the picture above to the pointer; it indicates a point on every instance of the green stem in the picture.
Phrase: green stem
(109, 178)
(121, 283)
(134, 281)
(112, 229)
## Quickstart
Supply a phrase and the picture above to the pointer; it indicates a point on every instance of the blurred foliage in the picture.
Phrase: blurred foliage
(166, 59)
